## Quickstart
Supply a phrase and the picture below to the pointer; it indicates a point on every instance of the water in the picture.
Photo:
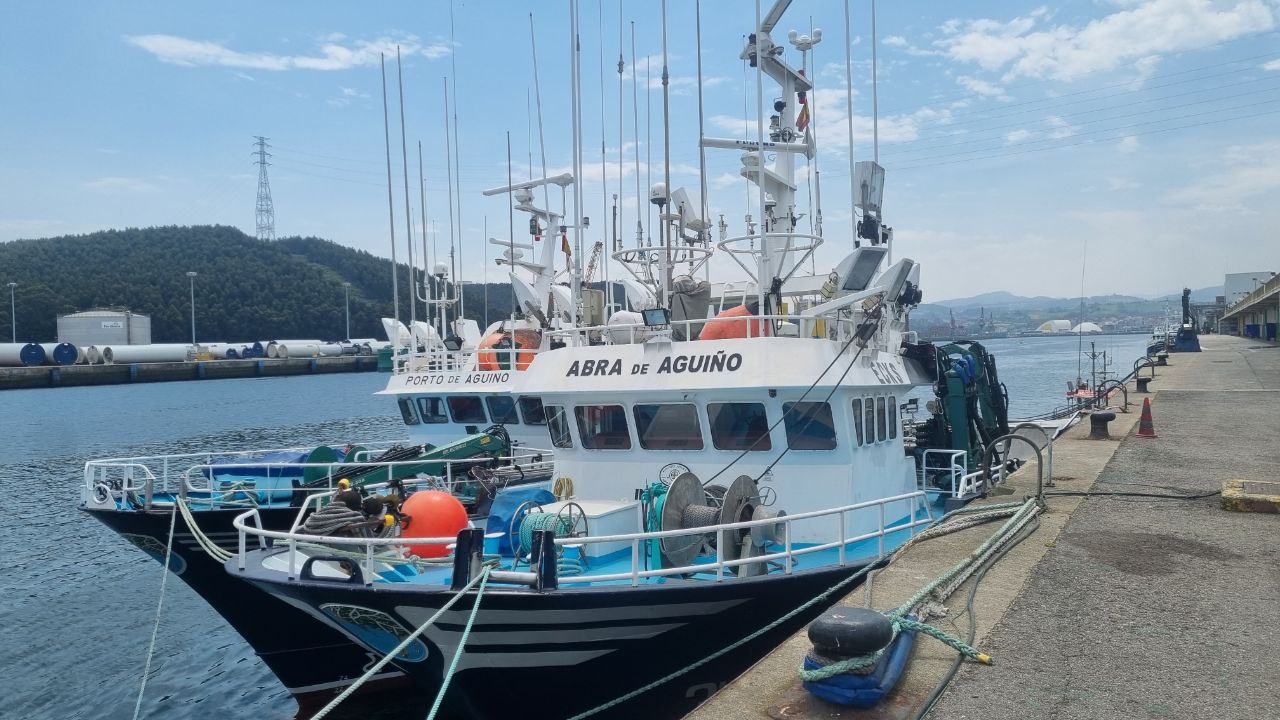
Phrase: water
(77, 602)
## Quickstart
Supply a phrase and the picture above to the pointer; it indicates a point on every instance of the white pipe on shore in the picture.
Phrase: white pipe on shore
(172, 352)
(92, 355)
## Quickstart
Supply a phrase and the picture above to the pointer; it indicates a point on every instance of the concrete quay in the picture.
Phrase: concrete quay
(78, 375)
(1117, 606)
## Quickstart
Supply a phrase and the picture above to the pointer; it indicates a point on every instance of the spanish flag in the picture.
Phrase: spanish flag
(802, 120)
(564, 244)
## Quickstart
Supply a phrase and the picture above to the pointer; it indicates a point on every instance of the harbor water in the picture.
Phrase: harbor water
(77, 603)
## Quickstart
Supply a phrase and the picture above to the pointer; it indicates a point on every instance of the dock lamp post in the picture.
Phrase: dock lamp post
(192, 275)
(13, 313)
(346, 301)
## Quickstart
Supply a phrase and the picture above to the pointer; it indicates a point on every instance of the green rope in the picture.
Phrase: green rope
(462, 645)
(898, 616)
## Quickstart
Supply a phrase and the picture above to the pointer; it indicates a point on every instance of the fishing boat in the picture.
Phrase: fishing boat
(179, 508)
(720, 479)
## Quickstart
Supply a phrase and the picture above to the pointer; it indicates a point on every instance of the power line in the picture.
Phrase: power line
(981, 136)
(1092, 141)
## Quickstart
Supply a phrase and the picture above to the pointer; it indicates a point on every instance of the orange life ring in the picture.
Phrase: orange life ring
(500, 346)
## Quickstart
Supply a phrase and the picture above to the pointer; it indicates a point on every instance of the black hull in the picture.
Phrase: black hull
(311, 659)
(557, 653)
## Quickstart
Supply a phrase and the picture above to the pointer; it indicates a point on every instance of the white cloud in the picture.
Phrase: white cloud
(332, 54)
(1128, 144)
(894, 41)
(1273, 65)
(120, 185)
(981, 87)
(1133, 36)
(1116, 183)
(1017, 136)
(1250, 171)
(1059, 128)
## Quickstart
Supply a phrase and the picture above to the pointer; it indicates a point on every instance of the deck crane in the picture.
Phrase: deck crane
(595, 260)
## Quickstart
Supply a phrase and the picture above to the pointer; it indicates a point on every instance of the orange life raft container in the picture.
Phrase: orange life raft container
(724, 327)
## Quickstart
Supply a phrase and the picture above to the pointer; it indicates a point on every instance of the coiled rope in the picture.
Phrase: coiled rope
(939, 588)
(155, 629)
(205, 543)
(329, 518)
(481, 579)
(559, 524)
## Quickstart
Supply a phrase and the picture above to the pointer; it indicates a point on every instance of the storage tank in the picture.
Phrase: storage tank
(172, 352)
(105, 326)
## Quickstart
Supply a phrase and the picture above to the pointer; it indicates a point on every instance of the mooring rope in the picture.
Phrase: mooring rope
(155, 629)
(481, 579)
(948, 581)
(205, 543)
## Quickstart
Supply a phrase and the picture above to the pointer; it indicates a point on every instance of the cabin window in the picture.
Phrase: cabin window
(603, 427)
(739, 426)
(893, 417)
(502, 408)
(668, 427)
(809, 426)
(869, 419)
(857, 420)
(466, 409)
(882, 426)
(558, 426)
(531, 409)
(432, 410)
(406, 411)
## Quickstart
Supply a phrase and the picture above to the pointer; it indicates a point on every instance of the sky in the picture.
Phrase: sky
(1132, 141)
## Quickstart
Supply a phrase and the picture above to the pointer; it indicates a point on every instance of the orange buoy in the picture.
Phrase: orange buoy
(501, 346)
(722, 327)
(431, 513)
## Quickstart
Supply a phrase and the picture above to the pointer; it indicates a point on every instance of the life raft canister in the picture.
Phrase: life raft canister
(723, 327)
(501, 346)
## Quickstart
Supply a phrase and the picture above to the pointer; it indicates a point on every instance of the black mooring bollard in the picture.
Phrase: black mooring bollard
(1162, 359)
(468, 556)
(1142, 384)
(1098, 425)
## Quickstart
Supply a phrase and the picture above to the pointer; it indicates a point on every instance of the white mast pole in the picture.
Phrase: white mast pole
(664, 227)
(575, 47)
(765, 259)
(391, 213)
(635, 134)
(848, 111)
(408, 219)
(448, 154)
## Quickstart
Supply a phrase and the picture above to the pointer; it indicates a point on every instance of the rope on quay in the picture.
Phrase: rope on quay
(1030, 502)
(940, 588)
(155, 629)
(480, 579)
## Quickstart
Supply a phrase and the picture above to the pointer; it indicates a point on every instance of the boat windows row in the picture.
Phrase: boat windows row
(740, 426)
(498, 409)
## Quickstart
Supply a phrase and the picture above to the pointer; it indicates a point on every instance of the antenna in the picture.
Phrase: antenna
(848, 113)
(266, 209)
(635, 134)
(511, 224)
(604, 173)
(448, 155)
(875, 102)
(764, 214)
(426, 261)
(542, 143)
(665, 227)
(575, 80)
(457, 177)
(702, 150)
(391, 212)
(408, 218)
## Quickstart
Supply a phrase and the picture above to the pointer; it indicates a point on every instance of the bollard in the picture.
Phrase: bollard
(1162, 359)
(1098, 425)
(1142, 384)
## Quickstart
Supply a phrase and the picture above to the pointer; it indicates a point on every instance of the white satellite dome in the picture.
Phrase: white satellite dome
(1087, 328)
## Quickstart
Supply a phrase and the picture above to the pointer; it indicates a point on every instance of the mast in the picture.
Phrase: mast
(448, 156)
(848, 113)
(408, 219)
(664, 226)
(635, 134)
(765, 254)
(391, 212)
(575, 72)
(702, 150)
(426, 261)
(457, 181)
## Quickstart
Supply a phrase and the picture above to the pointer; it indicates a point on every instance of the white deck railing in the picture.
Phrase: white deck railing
(145, 476)
(917, 501)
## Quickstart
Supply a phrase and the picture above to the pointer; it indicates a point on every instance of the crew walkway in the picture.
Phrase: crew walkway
(1117, 607)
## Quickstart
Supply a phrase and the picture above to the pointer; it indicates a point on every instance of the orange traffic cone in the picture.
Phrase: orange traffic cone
(1145, 428)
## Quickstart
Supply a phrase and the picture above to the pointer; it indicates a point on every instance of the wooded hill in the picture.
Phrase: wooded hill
(246, 289)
